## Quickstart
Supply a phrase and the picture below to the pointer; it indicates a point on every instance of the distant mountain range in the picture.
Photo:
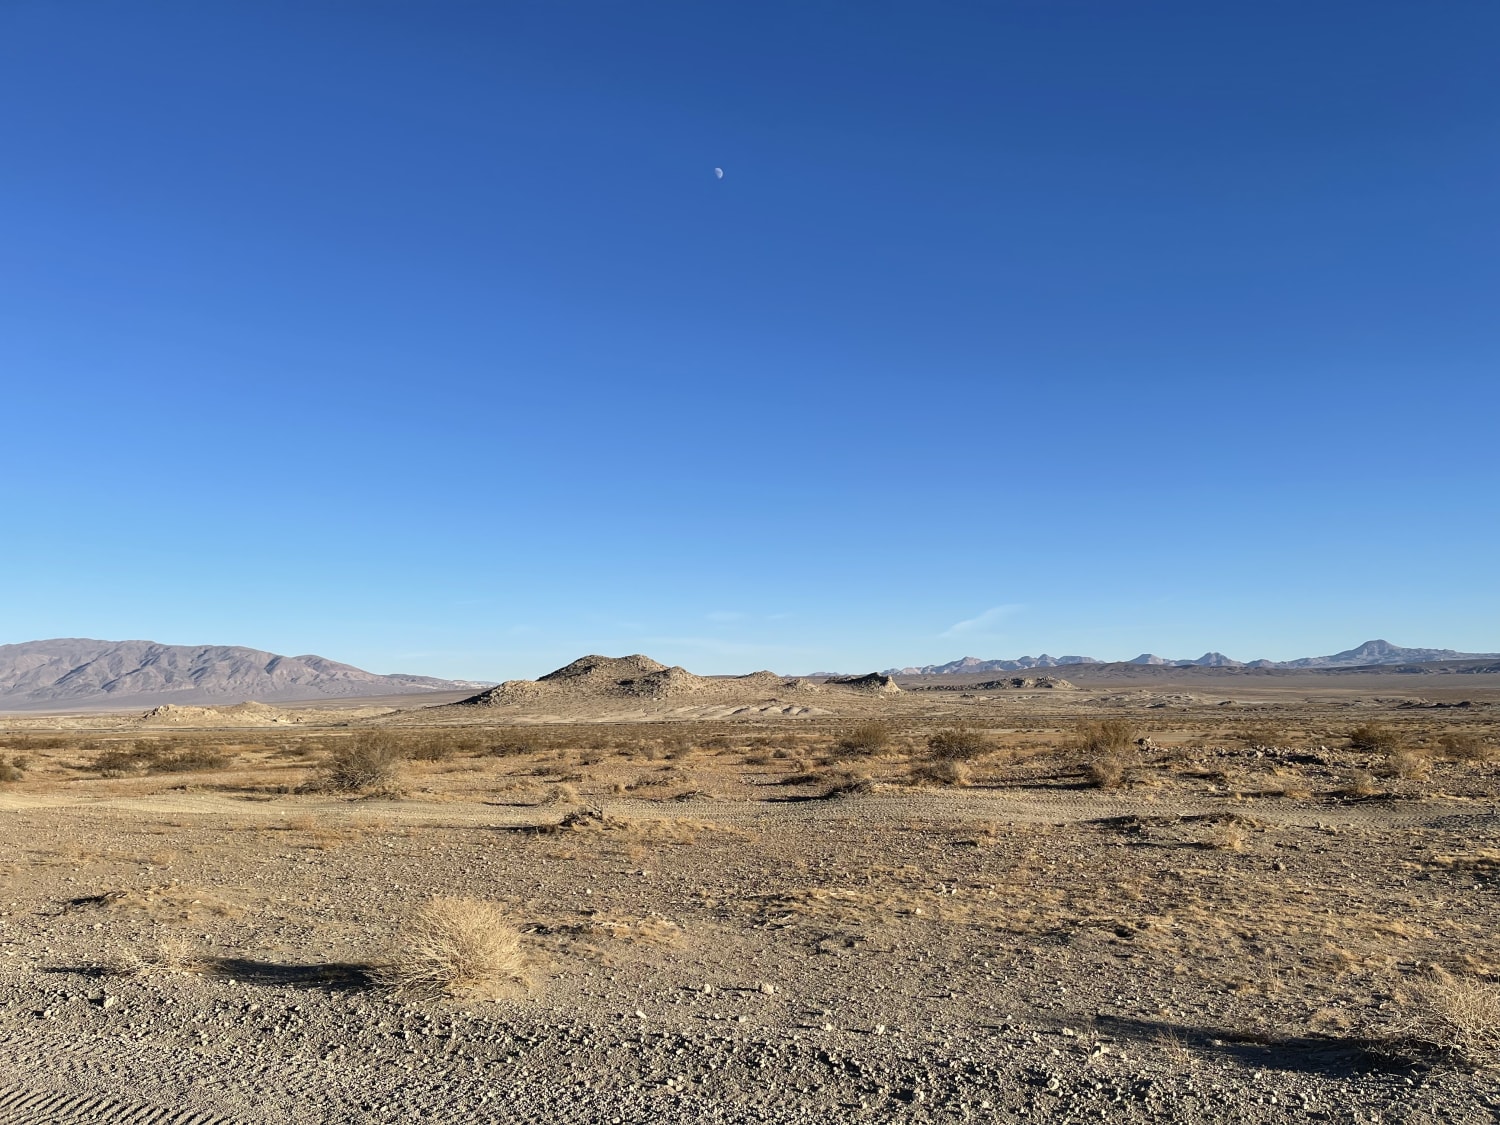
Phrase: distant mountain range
(74, 673)
(1369, 654)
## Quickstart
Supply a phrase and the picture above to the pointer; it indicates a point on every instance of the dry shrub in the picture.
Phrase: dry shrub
(1465, 746)
(1457, 1017)
(590, 818)
(1407, 764)
(1106, 737)
(1228, 837)
(941, 772)
(437, 747)
(865, 740)
(1375, 738)
(521, 740)
(959, 744)
(145, 756)
(1107, 772)
(11, 770)
(850, 785)
(1361, 783)
(366, 761)
(460, 948)
(190, 760)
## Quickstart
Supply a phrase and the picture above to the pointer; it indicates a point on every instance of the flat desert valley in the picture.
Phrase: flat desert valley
(626, 893)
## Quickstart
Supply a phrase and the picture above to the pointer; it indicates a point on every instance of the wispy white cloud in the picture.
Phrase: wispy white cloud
(987, 623)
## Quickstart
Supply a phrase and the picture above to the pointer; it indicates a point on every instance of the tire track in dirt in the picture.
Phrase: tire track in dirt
(975, 804)
(27, 1105)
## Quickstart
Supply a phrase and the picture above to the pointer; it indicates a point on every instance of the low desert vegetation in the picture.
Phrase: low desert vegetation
(1453, 1017)
(519, 741)
(1107, 772)
(1359, 783)
(865, 740)
(1375, 738)
(371, 760)
(1464, 746)
(1406, 764)
(1106, 737)
(959, 744)
(454, 948)
(145, 756)
(943, 771)
(1108, 746)
(13, 768)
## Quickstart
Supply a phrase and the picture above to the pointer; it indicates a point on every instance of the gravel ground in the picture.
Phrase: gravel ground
(173, 954)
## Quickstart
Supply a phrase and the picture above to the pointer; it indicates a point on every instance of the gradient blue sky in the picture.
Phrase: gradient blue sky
(423, 336)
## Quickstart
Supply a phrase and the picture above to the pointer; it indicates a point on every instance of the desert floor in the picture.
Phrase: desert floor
(770, 916)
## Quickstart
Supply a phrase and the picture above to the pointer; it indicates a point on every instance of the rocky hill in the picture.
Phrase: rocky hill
(626, 679)
(74, 673)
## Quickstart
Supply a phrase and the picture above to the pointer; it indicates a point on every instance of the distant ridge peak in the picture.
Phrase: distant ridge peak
(76, 672)
(1370, 654)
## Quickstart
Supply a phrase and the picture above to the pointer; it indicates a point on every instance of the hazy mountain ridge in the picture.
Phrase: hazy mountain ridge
(974, 664)
(80, 672)
(1370, 654)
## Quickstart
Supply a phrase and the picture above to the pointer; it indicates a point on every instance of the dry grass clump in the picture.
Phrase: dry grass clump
(941, 772)
(367, 761)
(865, 740)
(959, 744)
(1465, 746)
(170, 951)
(440, 746)
(1455, 1017)
(1108, 744)
(456, 948)
(145, 756)
(1360, 783)
(1106, 737)
(1375, 738)
(1406, 764)
(13, 769)
(1107, 772)
(519, 741)
(1228, 836)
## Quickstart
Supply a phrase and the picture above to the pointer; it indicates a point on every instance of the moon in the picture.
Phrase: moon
(718, 173)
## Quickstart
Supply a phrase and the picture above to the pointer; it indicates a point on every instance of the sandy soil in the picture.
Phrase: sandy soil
(756, 924)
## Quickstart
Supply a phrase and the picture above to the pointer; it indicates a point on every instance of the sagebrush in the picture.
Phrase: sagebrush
(454, 948)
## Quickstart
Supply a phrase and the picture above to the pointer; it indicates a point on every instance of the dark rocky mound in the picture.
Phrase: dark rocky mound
(876, 683)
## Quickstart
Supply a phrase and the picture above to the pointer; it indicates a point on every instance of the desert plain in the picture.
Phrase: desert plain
(1136, 894)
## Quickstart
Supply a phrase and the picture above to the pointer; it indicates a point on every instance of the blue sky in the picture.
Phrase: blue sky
(423, 336)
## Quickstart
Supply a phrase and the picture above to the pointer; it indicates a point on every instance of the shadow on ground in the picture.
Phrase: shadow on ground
(341, 976)
(1310, 1054)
